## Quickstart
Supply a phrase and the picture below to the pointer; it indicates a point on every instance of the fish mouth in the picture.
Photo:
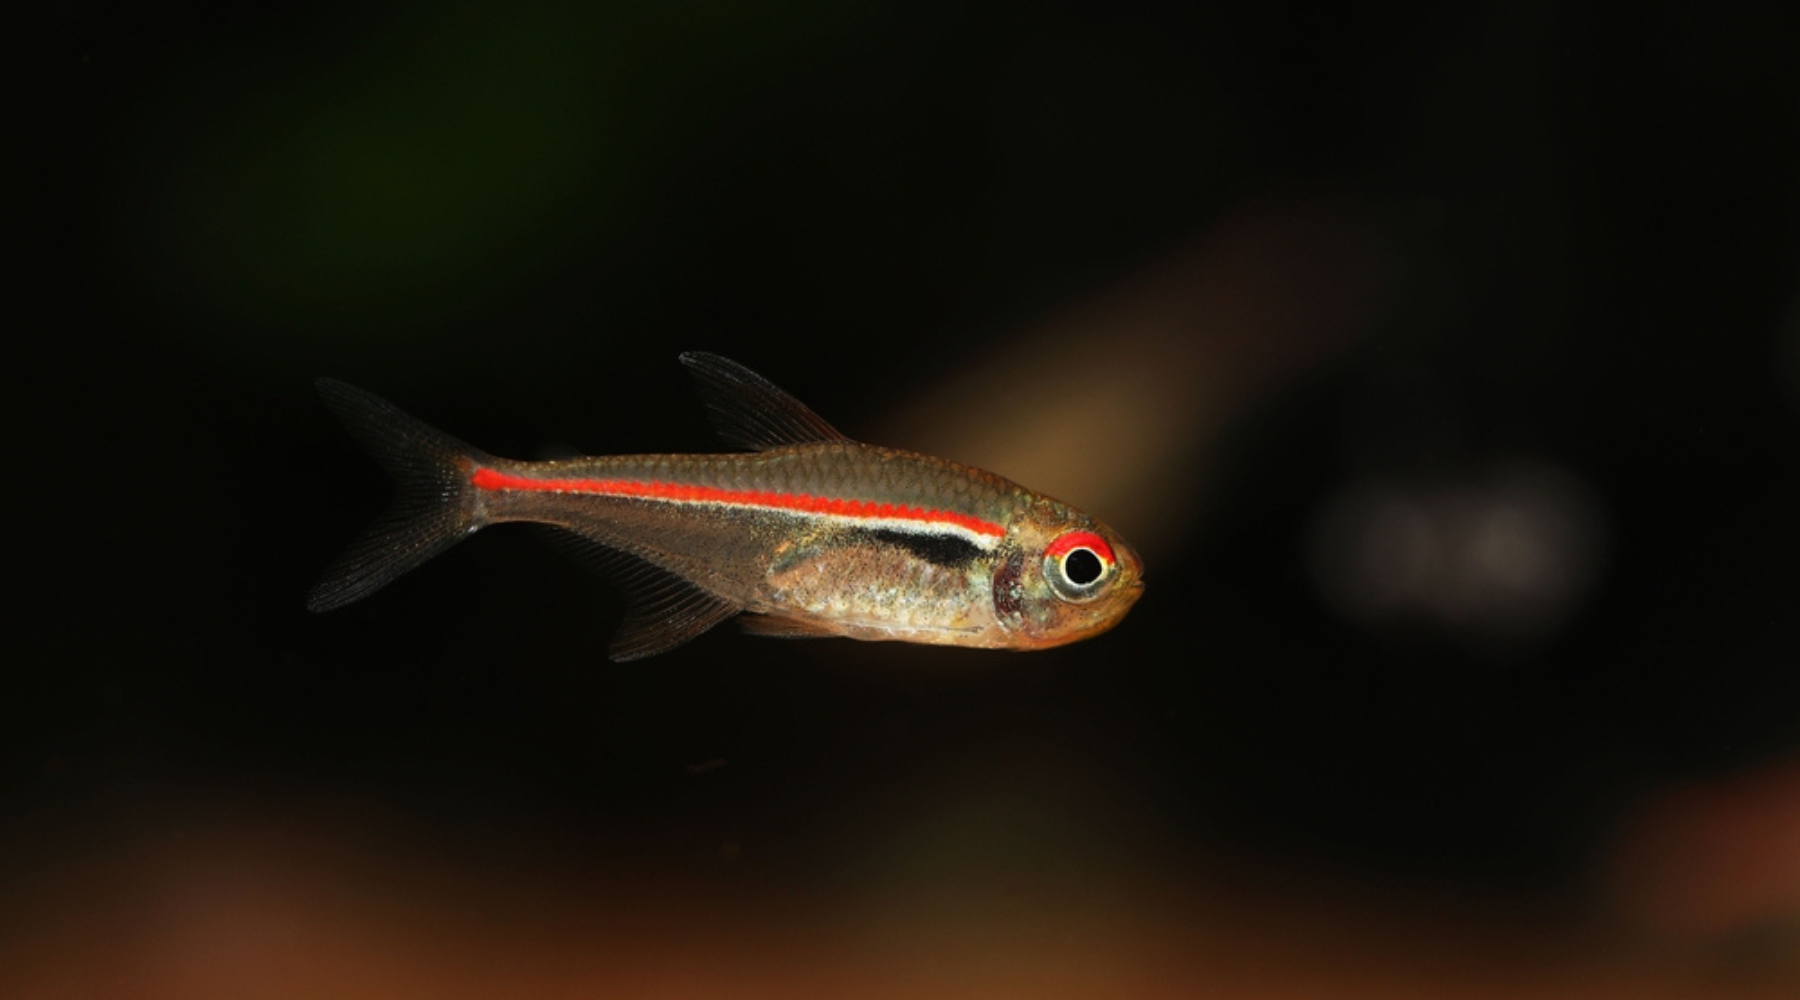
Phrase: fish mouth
(1136, 566)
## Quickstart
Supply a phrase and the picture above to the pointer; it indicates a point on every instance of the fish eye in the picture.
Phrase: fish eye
(1076, 564)
(1082, 567)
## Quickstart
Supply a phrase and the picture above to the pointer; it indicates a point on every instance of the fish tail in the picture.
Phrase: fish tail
(435, 502)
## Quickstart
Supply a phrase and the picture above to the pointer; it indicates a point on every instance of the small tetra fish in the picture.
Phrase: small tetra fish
(808, 533)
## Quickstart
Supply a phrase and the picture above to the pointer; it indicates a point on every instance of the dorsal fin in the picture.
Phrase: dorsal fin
(750, 411)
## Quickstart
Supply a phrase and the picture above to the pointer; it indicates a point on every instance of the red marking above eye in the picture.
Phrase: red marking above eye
(1065, 544)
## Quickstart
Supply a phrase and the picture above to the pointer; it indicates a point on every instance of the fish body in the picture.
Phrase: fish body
(808, 533)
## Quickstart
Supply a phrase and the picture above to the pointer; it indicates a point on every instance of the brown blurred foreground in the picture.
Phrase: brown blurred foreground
(332, 903)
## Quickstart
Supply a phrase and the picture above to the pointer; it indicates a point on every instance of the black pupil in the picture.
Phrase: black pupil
(1082, 567)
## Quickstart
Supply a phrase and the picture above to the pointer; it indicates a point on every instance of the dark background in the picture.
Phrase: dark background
(511, 222)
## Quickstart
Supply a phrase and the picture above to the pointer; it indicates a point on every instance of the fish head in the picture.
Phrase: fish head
(1064, 577)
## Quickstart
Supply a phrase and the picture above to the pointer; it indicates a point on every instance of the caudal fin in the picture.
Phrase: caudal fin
(434, 503)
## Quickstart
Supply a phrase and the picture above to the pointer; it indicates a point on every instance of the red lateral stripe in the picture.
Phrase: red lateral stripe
(806, 503)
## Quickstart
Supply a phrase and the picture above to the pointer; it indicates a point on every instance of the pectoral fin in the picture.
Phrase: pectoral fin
(778, 627)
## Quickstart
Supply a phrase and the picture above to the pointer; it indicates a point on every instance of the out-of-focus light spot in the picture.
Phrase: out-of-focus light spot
(1383, 548)
(1501, 556)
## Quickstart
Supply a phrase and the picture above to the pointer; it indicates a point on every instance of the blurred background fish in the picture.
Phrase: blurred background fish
(1443, 363)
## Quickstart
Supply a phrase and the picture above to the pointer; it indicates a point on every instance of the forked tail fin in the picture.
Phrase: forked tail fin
(434, 506)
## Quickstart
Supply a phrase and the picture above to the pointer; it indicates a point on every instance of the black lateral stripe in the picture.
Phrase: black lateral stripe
(948, 551)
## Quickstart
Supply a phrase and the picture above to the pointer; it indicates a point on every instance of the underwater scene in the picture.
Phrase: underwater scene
(904, 500)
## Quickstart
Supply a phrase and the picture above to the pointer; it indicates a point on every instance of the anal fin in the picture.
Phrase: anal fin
(663, 615)
(662, 610)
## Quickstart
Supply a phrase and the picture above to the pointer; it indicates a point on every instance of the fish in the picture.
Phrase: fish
(802, 532)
